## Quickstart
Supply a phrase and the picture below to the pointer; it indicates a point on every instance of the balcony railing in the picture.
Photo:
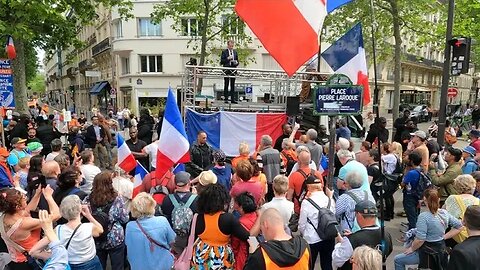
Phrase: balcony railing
(101, 47)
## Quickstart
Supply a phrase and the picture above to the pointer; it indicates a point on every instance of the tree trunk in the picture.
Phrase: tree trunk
(19, 78)
(397, 60)
(203, 46)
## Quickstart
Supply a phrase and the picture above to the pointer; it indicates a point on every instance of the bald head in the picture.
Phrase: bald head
(304, 158)
(272, 217)
(51, 169)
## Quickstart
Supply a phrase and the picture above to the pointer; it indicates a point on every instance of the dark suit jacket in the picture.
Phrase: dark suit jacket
(228, 63)
(465, 255)
(91, 137)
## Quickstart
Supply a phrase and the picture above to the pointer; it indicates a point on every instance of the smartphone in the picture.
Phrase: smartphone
(253, 241)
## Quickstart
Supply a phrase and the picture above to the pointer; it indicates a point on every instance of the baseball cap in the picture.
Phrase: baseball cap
(366, 208)
(219, 156)
(475, 133)
(182, 178)
(312, 180)
(419, 133)
(470, 149)
(4, 152)
(18, 140)
(35, 146)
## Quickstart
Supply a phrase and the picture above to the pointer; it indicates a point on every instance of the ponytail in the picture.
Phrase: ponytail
(432, 199)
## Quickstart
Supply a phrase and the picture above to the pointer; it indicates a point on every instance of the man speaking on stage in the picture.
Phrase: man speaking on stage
(229, 59)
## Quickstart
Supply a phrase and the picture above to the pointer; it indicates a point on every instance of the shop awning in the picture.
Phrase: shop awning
(97, 87)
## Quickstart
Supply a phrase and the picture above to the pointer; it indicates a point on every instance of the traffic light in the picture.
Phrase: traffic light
(460, 55)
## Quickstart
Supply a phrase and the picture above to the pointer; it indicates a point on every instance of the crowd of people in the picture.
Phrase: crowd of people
(270, 207)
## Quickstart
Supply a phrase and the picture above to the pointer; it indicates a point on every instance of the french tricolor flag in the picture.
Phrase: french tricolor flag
(347, 56)
(140, 173)
(173, 146)
(226, 130)
(126, 160)
(288, 29)
(10, 48)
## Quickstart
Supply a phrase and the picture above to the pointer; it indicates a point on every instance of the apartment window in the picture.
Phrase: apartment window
(146, 28)
(191, 27)
(151, 63)
(125, 65)
(118, 28)
(232, 26)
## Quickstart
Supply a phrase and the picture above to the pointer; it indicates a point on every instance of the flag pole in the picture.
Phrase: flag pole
(376, 111)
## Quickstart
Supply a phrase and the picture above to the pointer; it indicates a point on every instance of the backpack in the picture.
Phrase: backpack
(357, 200)
(101, 214)
(424, 182)
(290, 162)
(182, 215)
(303, 191)
(327, 222)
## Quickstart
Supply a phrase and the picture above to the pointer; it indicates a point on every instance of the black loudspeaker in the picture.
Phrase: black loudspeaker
(293, 106)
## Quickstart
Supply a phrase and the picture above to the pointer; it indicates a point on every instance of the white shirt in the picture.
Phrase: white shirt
(52, 156)
(82, 247)
(284, 206)
(389, 163)
(152, 150)
(312, 166)
(89, 171)
(307, 210)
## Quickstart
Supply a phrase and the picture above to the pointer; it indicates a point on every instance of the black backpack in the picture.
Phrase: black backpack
(327, 222)
(101, 214)
(424, 182)
(303, 191)
(290, 162)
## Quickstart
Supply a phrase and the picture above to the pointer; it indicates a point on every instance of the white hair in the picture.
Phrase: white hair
(312, 134)
(343, 143)
(354, 179)
(344, 154)
(266, 140)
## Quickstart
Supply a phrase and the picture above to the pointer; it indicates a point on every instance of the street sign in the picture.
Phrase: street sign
(249, 91)
(337, 99)
(6, 85)
(93, 73)
(452, 92)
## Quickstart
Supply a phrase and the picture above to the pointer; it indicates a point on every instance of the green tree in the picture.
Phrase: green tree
(48, 24)
(37, 84)
(214, 21)
(395, 20)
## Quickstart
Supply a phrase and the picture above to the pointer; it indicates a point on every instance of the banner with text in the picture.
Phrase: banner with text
(338, 99)
(6, 84)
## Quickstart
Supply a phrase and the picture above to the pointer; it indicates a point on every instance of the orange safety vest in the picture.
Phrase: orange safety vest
(302, 264)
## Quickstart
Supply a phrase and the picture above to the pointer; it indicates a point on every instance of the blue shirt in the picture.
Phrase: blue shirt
(59, 258)
(355, 166)
(4, 180)
(412, 177)
(344, 132)
(139, 253)
(431, 228)
(469, 166)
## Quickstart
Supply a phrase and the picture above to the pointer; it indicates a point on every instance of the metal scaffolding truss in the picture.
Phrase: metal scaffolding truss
(281, 84)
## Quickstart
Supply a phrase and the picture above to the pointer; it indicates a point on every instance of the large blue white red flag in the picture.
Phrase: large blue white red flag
(140, 173)
(173, 146)
(288, 29)
(126, 160)
(347, 56)
(226, 130)
(334, 4)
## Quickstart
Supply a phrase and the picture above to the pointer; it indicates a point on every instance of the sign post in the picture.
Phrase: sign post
(7, 100)
(337, 97)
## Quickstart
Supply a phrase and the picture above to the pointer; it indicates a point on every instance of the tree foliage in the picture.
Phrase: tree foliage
(217, 22)
(48, 24)
(37, 84)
